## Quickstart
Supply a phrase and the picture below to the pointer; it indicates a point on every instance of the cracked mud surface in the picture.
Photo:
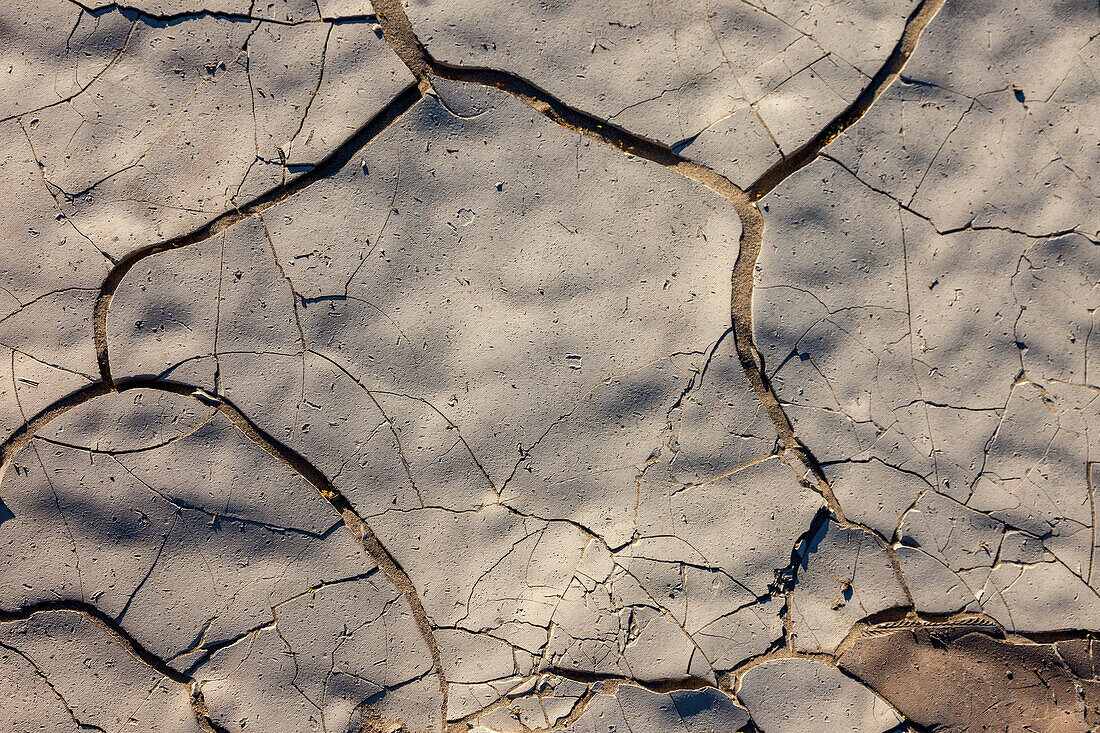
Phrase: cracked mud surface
(699, 367)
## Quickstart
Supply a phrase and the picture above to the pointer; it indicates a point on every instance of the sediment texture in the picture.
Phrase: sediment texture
(703, 366)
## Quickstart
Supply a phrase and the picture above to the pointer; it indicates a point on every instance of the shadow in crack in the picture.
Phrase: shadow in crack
(156, 516)
(191, 540)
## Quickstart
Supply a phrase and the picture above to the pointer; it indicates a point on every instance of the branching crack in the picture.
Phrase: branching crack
(398, 32)
(131, 645)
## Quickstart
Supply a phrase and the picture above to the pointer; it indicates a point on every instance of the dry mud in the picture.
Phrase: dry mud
(694, 367)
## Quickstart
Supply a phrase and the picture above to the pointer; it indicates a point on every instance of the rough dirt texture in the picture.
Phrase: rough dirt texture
(697, 367)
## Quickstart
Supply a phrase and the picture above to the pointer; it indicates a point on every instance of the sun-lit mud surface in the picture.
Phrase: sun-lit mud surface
(698, 367)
